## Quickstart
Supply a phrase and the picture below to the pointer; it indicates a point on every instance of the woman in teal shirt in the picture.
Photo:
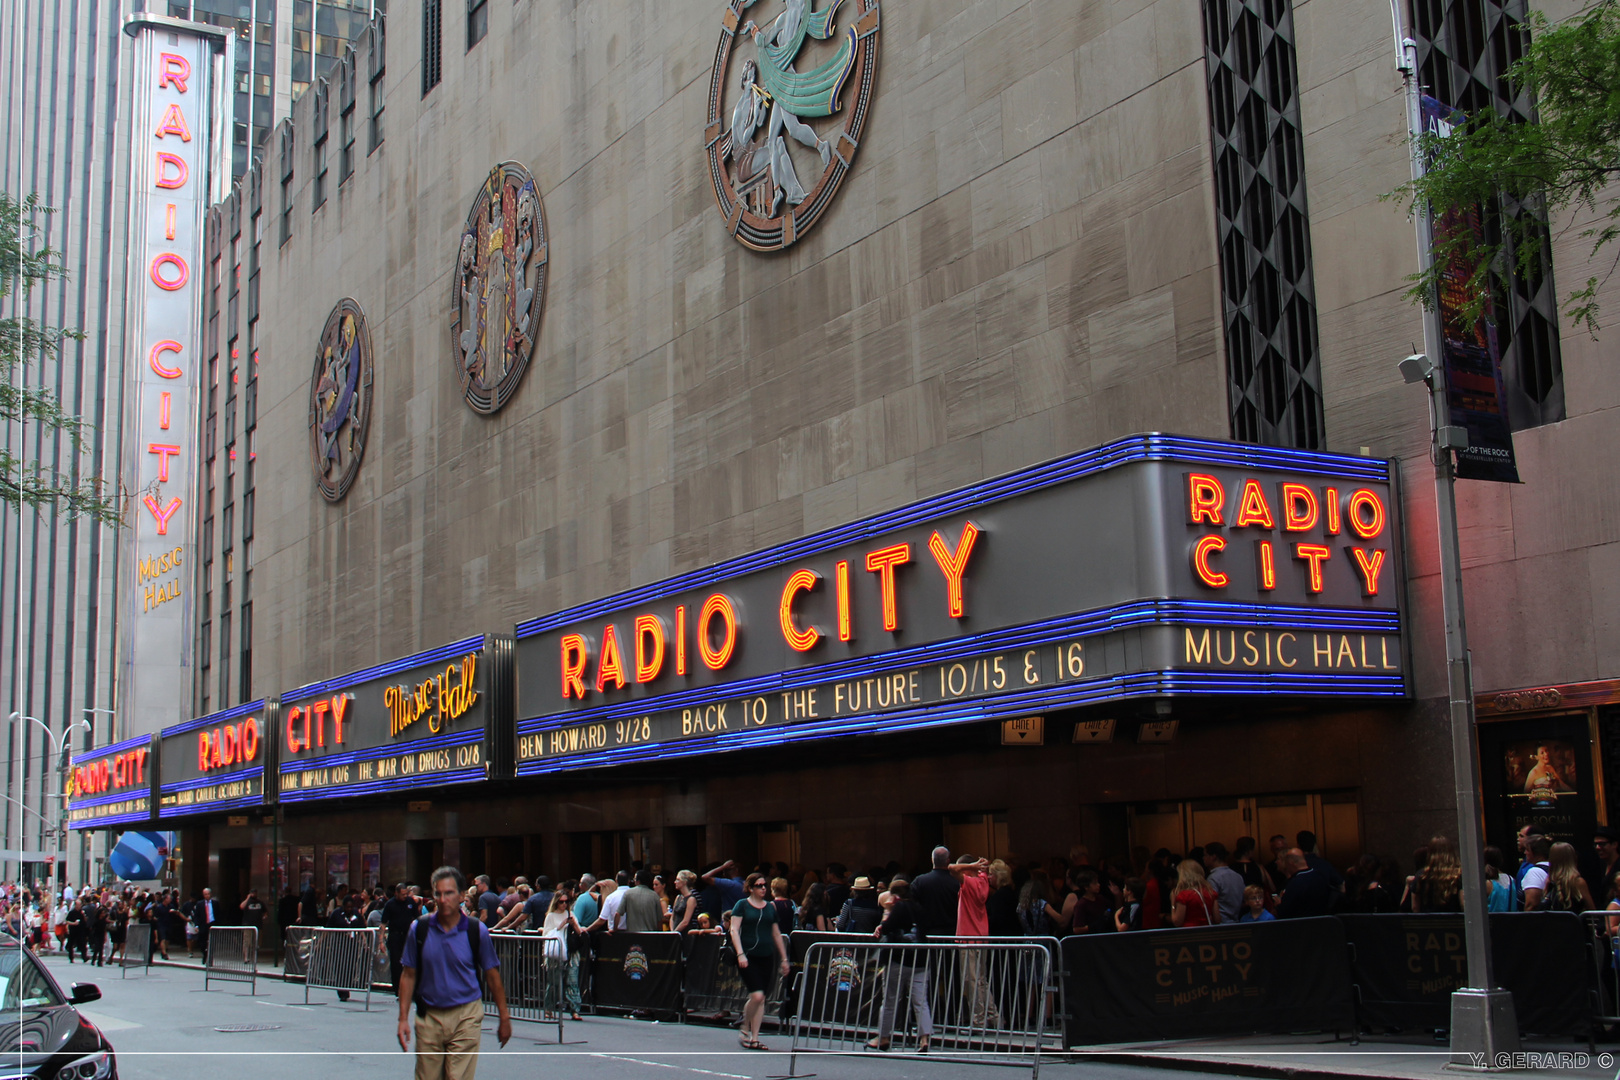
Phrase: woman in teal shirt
(756, 937)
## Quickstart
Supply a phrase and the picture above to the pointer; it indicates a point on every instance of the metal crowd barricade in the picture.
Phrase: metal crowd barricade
(233, 956)
(1057, 1000)
(340, 959)
(982, 1002)
(532, 980)
(713, 986)
(295, 952)
(1603, 935)
(137, 950)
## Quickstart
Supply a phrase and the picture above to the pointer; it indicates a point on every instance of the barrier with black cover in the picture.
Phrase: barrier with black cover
(1406, 966)
(637, 972)
(1267, 977)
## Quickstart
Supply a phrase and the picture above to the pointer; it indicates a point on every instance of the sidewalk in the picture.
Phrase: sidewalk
(1320, 1056)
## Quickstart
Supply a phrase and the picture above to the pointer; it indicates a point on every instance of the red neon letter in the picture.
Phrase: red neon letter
(610, 665)
(799, 581)
(162, 516)
(163, 410)
(1253, 509)
(165, 162)
(1268, 565)
(882, 563)
(573, 666)
(1205, 497)
(716, 658)
(649, 657)
(164, 451)
(1366, 529)
(229, 743)
(952, 564)
(1371, 564)
(1297, 517)
(1314, 556)
(841, 575)
(340, 705)
(169, 258)
(174, 123)
(293, 745)
(1200, 560)
(250, 739)
(1331, 498)
(173, 69)
(157, 365)
(202, 751)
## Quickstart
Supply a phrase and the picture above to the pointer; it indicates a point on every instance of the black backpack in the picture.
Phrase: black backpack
(421, 932)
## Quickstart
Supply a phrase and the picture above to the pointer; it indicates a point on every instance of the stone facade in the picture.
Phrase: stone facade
(1022, 263)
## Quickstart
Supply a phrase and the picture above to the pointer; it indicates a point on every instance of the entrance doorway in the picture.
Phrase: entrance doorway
(1334, 816)
(235, 879)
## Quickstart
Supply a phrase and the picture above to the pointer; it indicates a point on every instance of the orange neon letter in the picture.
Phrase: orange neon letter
(799, 581)
(610, 665)
(318, 709)
(953, 563)
(202, 751)
(1330, 498)
(340, 705)
(173, 69)
(841, 575)
(717, 605)
(1369, 528)
(162, 516)
(882, 563)
(680, 639)
(293, 745)
(1215, 579)
(166, 162)
(1314, 555)
(573, 665)
(164, 451)
(182, 272)
(1268, 565)
(649, 661)
(1253, 509)
(157, 364)
(250, 739)
(174, 123)
(1205, 497)
(1371, 564)
(1300, 509)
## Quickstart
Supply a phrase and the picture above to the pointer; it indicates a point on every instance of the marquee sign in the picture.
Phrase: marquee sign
(421, 721)
(176, 137)
(1153, 566)
(219, 761)
(114, 784)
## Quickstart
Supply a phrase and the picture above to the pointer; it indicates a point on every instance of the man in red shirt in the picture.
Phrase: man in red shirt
(972, 921)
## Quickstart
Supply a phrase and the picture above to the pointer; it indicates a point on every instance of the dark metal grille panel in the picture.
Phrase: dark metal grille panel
(1464, 49)
(1268, 299)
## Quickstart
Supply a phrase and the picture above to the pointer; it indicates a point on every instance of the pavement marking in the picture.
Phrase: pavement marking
(106, 1022)
(667, 1065)
(283, 1005)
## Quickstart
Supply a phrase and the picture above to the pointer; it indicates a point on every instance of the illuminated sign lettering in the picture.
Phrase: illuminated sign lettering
(445, 696)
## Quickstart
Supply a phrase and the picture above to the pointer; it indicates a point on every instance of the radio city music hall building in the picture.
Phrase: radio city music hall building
(818, 431)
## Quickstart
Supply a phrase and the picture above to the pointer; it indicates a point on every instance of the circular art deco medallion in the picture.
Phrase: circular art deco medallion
(788, 99)
(340, 399)
(499, 287)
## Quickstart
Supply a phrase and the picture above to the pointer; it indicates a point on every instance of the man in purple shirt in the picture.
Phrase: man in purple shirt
(439, 970)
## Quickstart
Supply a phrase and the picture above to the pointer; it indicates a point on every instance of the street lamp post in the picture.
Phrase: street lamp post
(1483, 1022)
(59, 745)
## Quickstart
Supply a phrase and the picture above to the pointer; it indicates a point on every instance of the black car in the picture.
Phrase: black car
(42, 1035)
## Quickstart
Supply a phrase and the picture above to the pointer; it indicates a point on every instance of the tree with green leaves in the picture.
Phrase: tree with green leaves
(26, 262)
(1562, 164)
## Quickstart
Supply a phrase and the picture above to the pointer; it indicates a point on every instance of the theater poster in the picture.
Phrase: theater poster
(1539, 772)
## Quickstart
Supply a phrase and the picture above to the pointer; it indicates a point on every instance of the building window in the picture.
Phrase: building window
(245, 679)
(225, 658)
(320, 173)
(477, 21)
(1464, 50)
(286, 182)
(432, 66)
(346, 137)
(379, 61)
(1268, 299)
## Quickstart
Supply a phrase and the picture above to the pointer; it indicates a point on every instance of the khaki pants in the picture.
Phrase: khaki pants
(447, 1042)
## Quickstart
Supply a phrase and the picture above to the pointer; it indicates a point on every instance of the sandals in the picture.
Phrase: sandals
(750, 1044)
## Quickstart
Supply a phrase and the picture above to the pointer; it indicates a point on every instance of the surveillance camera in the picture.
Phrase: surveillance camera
(1416, 368)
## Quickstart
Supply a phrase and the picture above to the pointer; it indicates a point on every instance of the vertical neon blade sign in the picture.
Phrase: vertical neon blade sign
(172, 137)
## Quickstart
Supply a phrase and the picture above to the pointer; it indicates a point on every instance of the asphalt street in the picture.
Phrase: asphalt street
(164, 1025)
